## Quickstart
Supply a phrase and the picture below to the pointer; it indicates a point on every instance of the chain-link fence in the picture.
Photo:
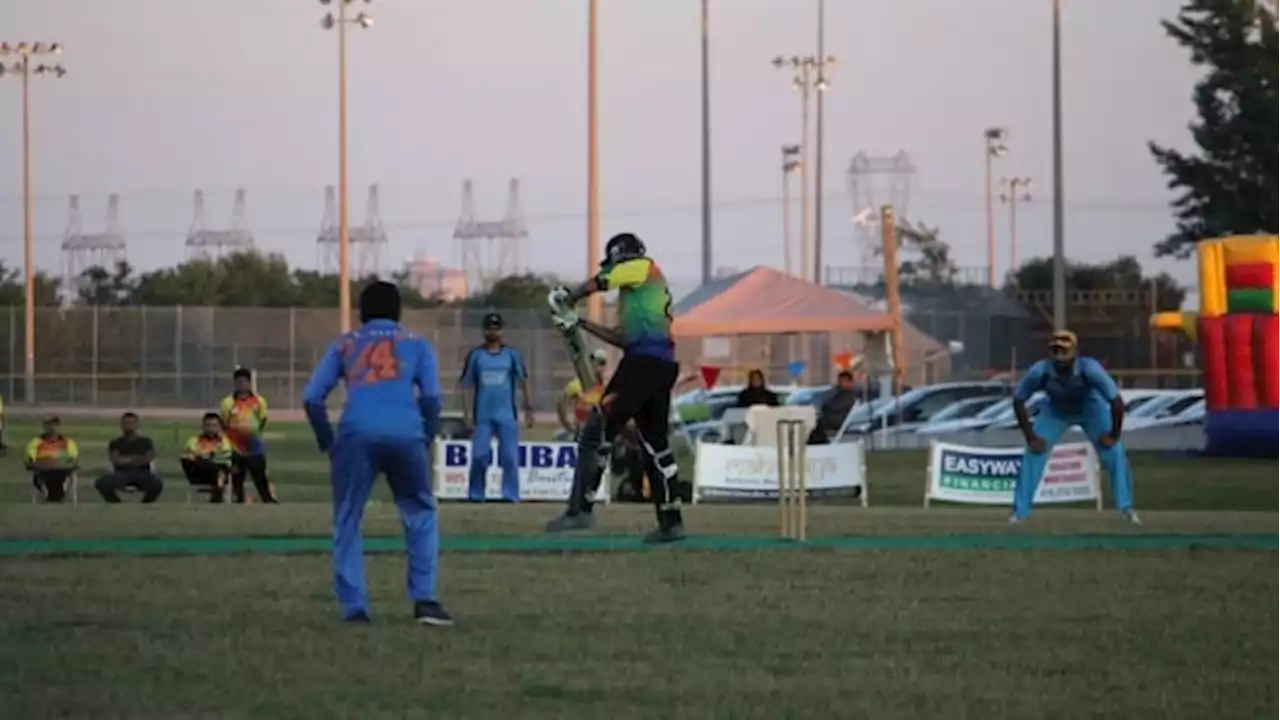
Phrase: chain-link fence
(999, 332)
(182, 357)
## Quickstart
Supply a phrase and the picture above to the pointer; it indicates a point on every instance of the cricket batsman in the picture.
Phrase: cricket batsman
(641, 385)
(391, 415)
(1078, 392)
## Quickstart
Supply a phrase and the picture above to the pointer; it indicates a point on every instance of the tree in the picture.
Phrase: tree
(526, 291)
(1123, 273)
(923, 258)
(1229, 185)
(242, 279)
(932, 263)
(13, 288)
(114, 287)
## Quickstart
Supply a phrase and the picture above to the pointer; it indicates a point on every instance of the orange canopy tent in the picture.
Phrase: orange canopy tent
(764, 301)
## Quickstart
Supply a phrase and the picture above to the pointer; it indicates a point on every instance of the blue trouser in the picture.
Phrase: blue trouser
(1095, 421)
(354, 464)
(507, 432)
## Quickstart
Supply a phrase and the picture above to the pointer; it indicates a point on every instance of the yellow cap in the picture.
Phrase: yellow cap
(1063, 338)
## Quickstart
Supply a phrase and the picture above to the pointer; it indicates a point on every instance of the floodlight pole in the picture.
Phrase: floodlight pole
(808, 74)
(818, 142)
(790, 162)
(340, 23)
(22, 68)
(993, 138)
(1013, 191)
(706, 142)
(595, 303)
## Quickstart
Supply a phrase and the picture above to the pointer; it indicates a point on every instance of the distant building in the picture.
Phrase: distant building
(431, 279)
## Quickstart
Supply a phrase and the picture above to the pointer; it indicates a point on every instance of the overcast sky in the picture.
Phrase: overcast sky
(164, 96)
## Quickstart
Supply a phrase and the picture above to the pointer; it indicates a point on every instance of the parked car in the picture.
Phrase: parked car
(997, 411)
(960, 410)
(1133, 399)
(1187, 411)
(917, 406)
(1177, 400)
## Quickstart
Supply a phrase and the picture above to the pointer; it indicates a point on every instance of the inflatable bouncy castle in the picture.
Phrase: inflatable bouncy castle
(1239, 341)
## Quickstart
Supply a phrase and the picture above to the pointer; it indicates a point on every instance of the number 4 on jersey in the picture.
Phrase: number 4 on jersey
(376, 363)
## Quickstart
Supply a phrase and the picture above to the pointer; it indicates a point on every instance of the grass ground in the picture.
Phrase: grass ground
(668, 633)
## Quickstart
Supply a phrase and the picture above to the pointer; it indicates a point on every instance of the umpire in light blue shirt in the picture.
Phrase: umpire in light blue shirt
(1078, 392)
(491, 375)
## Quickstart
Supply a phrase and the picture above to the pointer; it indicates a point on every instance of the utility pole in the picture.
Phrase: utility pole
(23, 70)
(1059, 241)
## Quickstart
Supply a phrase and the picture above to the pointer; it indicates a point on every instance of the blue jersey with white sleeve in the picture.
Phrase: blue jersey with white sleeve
(392, 383)
(1088, 387)
(493, 375)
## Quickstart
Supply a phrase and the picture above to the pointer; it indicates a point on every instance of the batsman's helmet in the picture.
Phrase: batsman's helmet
(621, 248)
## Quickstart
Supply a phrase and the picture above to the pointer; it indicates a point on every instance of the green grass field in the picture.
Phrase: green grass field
(799, 633)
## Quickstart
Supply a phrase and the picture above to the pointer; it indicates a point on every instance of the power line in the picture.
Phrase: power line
(690, 209)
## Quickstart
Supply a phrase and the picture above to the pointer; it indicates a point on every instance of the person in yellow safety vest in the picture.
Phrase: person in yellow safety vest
(52, 458)
(244, 419)
(575, 404)
(206, 461)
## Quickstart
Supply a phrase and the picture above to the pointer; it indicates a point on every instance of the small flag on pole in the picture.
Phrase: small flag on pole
(795, 369)
(710, 374)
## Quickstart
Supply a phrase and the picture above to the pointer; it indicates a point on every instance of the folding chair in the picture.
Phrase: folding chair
(75, 490)
(193, 490)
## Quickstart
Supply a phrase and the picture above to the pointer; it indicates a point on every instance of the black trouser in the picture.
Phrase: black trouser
(590, 469)
(639, 390)
(52, 484)
(112, 484)
(255, 466)
(206, 473)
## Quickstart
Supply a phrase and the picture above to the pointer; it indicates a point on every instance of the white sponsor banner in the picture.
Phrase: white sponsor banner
(546, 471)
(742, 472)
(987, 475)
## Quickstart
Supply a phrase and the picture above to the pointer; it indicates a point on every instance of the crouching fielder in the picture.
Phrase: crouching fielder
(1078, 391)
(385, 428)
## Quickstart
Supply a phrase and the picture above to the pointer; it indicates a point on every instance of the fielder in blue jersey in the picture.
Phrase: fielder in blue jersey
(490, 375)
(1078, 392)
(390, 417)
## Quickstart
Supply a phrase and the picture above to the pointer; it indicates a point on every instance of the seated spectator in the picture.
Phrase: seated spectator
(626, 465)
(131, 457)
(52, 459)
(756, 392)
(207, 459)
(576, 403)
(835, 408)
